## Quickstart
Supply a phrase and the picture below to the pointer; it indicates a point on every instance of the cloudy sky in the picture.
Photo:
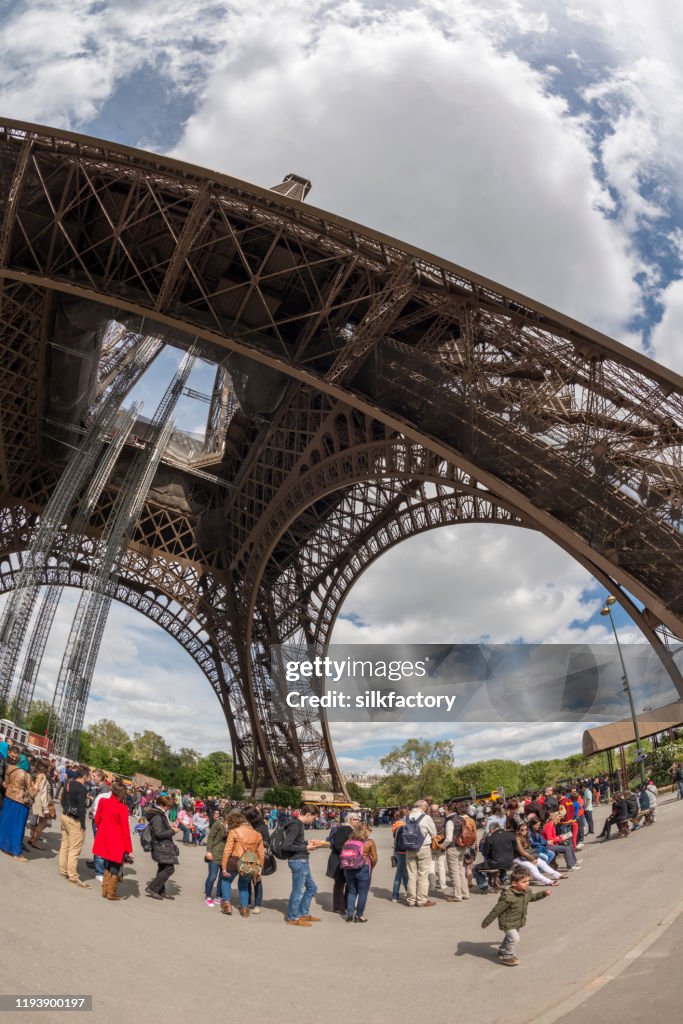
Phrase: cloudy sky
(535, 142)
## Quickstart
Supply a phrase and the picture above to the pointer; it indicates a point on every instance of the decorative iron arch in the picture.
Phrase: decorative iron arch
(335, 338)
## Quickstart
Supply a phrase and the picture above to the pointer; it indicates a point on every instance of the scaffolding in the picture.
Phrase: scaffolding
(53, 592)
(51, 534)
(85, 637)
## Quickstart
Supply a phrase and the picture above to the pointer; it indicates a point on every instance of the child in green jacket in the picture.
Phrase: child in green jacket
(511, 913)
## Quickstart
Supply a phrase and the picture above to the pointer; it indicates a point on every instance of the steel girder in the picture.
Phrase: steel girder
(344, 348)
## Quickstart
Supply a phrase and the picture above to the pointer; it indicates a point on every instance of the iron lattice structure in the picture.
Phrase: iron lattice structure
(366, 391)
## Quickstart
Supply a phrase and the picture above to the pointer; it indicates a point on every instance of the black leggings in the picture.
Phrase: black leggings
(164, 872)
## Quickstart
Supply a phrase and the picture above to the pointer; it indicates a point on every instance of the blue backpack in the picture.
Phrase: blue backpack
(412, 837)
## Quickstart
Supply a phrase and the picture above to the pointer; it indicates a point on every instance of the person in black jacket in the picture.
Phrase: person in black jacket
(72, 825)
(618, 817)
(164, 850)
(498, 848)
(297, 849)
(336, 839)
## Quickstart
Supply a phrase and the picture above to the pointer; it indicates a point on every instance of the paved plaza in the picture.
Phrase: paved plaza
(607, 942)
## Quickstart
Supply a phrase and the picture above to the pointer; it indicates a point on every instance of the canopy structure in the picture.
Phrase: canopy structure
(618, 734)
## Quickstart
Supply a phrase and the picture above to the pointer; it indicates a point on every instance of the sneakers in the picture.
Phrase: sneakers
(309, 917)
(577, 867)
(256, 910)
(427, 903)
(509, 961)
(453, 899)
(99, 878)
(209, 902)
(579, 846)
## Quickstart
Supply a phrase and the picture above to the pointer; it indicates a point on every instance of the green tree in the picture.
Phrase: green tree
(38, 716)
(283, 796)
(411, 758)
(212, 775)
(107, 733)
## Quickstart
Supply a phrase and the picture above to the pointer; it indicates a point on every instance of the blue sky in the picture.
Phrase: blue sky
(538, 143)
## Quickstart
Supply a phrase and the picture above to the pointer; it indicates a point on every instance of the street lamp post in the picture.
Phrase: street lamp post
(607, 610)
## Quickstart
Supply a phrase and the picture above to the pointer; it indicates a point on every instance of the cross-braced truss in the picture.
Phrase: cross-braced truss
(366, 391)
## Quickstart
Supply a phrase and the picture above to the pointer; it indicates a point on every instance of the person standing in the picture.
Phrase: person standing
(358, 876)
(511, 911)
(101, 790)
(215, 844)
(164, 850)
(19, 795)
(72, 825)
(298, 850)
(418, 832)
(460, 836)
(43, 806)
(337, 837)
(401, 876)
(242, 840)
(112, 838)
(438, 872)
(588, 808)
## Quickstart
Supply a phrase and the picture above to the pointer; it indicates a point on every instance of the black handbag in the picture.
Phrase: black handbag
(269, 864)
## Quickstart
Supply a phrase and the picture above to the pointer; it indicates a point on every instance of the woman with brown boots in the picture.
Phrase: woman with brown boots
(112, 841)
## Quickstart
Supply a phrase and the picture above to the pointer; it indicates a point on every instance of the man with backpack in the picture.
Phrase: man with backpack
(460, 836)
(418, 831)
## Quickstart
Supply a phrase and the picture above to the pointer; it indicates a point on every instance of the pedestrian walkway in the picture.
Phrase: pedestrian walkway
(153, 958)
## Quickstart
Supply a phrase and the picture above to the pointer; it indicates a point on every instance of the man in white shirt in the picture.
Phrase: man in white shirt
(419, 861)
(588, 808)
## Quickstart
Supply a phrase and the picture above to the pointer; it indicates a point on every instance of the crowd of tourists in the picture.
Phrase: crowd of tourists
(498, 846)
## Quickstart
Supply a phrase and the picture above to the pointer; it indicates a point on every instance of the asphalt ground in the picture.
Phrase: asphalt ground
(605, 946)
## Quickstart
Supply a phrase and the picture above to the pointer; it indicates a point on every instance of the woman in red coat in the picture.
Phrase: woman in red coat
(112, 841)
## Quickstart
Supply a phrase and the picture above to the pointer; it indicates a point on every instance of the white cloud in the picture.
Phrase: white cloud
(469, 155)
(667, 337)
(463, 583)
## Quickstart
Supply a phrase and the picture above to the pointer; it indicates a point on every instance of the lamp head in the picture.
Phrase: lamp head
(611, 600)
(604, 610)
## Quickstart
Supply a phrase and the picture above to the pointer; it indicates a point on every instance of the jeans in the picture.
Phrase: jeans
(568, 850)
(510, 943)
(187, 833)
(100, 862)
(200, 836)
(589, 820)
(482, 880)
(400, 876)
(243, 882)
(214, 867)
(358, 881)
(303, 889)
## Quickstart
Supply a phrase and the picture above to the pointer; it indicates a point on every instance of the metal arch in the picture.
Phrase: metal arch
(157, 592)
(335, 582)
(480, 378)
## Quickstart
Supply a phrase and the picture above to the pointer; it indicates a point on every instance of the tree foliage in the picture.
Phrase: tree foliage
(283, 796)
(413, 756)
